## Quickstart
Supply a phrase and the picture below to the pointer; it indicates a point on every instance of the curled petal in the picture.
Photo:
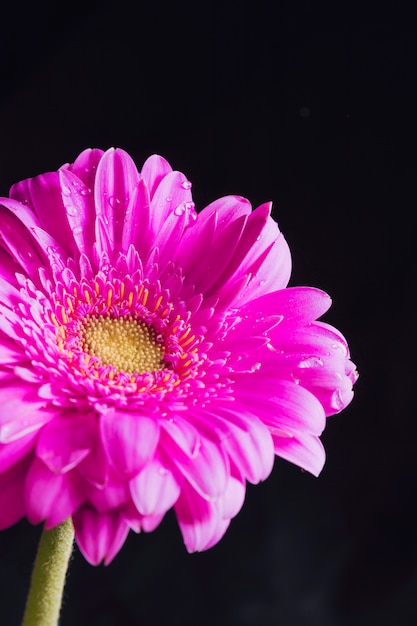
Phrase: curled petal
(99, 535)
(66, 441)
(207, 469)
(50, 496)
(198, 519)
(12, 485)
(21, 411)
(302, 449)
(11, 453)
(45, 195)
(154, 490)
(129, 441)
(85, 166)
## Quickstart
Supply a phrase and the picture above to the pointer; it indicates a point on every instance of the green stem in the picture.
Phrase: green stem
(48, 576)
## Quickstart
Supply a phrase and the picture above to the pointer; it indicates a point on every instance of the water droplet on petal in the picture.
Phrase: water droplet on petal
(312, 361)
(168, 199)
(196, 449)
(66, 191)
(186, 184)
(337, 401)
(85, 191)
(113, 201)
(295, 378)
(179, 210)
(71, 210)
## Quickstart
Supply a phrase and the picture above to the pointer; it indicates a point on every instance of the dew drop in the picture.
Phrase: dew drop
(337, 401)
(312, 361)
(186, 184)
(180, 210)
(196, 449)
(168, 199)
(66, 191)
(71, 210)
(85, 191)
(114, 202)
(295, 378)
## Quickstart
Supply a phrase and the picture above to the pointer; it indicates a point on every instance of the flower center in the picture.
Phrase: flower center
(127, 344)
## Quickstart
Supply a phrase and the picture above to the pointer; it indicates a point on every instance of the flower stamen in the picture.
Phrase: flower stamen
(125, 343)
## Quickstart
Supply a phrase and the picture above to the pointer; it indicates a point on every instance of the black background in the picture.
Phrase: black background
(312, 106)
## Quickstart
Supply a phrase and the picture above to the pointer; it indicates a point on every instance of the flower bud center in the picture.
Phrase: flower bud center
(127, 344)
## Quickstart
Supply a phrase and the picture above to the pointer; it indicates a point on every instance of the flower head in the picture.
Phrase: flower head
(151, 357)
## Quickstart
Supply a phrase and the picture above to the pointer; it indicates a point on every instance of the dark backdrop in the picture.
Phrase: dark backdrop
(312, 107)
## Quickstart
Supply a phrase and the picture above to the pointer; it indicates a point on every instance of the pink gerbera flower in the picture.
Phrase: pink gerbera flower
(151, 357)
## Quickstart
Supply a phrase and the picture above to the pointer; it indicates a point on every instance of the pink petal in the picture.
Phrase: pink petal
(11, 453)
(198, 519)
(168, 239)
(153, 171)
(129, 440)
(150, 522)
(15, 240)
(136, 229)
(216, 218)
(8, 269)
(269, 259)
(45, 195)
(207, 471)
(66, 440)
(154, 490)
(222, 526)
(302, 449)
(214, 261)
(95, 466)
(183, 434)
(171, 193)
(233, 498)
(85, 166)
(249, 245)
(245, 439)
(80, 211)
(298, 306)
(50, 496)
(10, 351)
(115, 181)
(251, 450)
(99, 535)
(21, 411)
(30, 222)
(282, 404)
(12, 489)
(227, 209)
(113, 496)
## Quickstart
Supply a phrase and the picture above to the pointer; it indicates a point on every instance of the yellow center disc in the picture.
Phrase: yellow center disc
(127, 344)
